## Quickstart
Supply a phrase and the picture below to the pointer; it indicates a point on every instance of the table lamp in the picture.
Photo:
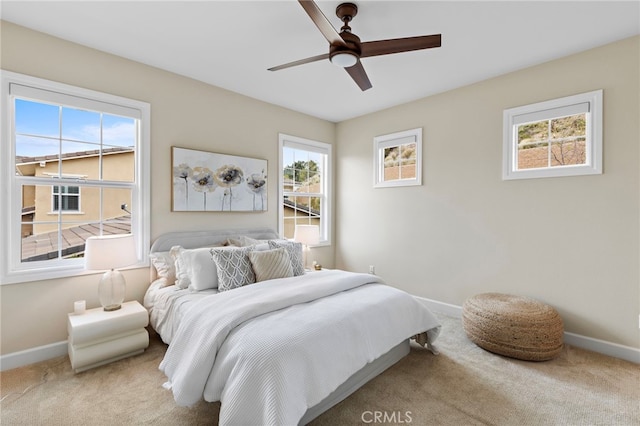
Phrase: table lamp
(308, 235)
(106, 253)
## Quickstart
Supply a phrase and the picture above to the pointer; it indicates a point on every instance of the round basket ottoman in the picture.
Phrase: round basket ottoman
(513, 326)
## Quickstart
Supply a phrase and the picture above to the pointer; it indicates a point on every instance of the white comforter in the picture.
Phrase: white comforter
(167, 305)
(271, 350)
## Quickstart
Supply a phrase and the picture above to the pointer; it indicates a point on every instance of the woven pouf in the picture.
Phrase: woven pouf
(514, 326)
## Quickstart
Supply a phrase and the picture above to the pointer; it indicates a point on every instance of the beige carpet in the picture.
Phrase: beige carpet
(464, 385)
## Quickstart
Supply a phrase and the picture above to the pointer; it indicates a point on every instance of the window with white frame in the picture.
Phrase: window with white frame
(560, 137)
(65, 198)
(67, 143)
(397, 159)
(304, 186)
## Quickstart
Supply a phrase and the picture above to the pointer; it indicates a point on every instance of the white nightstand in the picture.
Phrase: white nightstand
(98, 337)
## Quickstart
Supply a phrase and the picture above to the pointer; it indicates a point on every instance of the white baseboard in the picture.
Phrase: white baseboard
(441, 307)
(601, 346)
(43, 353)
(33, 355)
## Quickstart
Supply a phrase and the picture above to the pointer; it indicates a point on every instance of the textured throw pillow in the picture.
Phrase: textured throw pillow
(294, 250)
(233, 267)
(271, 264)
(165, 266)
(194, 268)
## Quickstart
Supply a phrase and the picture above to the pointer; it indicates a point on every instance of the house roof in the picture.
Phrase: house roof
(45, 246)
(23, 160)
(302, 208)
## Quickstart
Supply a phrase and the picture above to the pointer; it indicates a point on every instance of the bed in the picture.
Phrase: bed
(281, 350)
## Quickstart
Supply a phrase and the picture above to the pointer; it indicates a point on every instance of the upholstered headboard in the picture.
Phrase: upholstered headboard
(194, 239)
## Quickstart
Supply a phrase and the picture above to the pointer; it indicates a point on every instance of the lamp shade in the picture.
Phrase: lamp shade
(109, 252)
(308, 235)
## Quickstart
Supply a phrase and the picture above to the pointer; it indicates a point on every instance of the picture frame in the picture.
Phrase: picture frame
(205, 181)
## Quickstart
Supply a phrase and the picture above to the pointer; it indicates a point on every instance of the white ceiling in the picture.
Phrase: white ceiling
(231, 44)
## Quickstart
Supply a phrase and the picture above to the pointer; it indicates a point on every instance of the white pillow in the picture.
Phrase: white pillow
(270, 264)
(182, 274)
(295, 253)
(233, 267)
(195, 269)
(165, 266)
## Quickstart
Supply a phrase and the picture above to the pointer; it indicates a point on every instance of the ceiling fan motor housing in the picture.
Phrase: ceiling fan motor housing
(346, 12)
(352, 45)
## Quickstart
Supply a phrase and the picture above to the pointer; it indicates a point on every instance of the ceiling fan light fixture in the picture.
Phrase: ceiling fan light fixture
(344, 59)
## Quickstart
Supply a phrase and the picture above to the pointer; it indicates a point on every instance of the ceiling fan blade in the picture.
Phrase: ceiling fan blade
(359, 75)
(398, 45)
(321, 21)
(300, 62)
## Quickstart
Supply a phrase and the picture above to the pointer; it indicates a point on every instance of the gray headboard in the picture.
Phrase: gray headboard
(195, 239)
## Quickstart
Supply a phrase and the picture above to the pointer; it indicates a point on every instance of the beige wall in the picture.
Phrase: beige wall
(571, 242)
(184, 113)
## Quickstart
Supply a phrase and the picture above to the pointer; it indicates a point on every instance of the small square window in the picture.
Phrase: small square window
(397, 159)
(561, 137)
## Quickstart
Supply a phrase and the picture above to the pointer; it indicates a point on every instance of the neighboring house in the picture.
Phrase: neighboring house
(78, 208)
(299, 210)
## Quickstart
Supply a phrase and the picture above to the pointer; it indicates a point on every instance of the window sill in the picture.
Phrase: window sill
(54, 213)
(23, 276)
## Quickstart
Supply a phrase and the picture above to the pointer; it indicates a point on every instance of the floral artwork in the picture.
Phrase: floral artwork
(206, 181)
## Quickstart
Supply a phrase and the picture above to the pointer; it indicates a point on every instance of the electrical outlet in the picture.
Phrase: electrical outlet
(372, 269)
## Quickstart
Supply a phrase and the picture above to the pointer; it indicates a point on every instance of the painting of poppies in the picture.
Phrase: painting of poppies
(207, 181)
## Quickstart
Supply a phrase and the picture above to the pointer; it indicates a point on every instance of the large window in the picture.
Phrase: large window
(75, 165)
(561, 137)
(305, 170)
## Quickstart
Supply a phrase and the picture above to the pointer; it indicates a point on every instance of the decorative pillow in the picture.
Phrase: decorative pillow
(233, 267)
(271, 264)
(165, 266)
(194, 268)
(244, 241)
(248, 241)
(233, 242)
(295, 254)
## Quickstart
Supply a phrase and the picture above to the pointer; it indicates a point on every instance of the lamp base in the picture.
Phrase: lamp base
(112, 308)
(111, 290)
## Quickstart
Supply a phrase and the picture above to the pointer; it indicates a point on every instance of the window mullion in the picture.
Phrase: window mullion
(59, 195)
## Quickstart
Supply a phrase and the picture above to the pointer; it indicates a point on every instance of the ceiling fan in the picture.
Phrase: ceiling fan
(346, 49)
